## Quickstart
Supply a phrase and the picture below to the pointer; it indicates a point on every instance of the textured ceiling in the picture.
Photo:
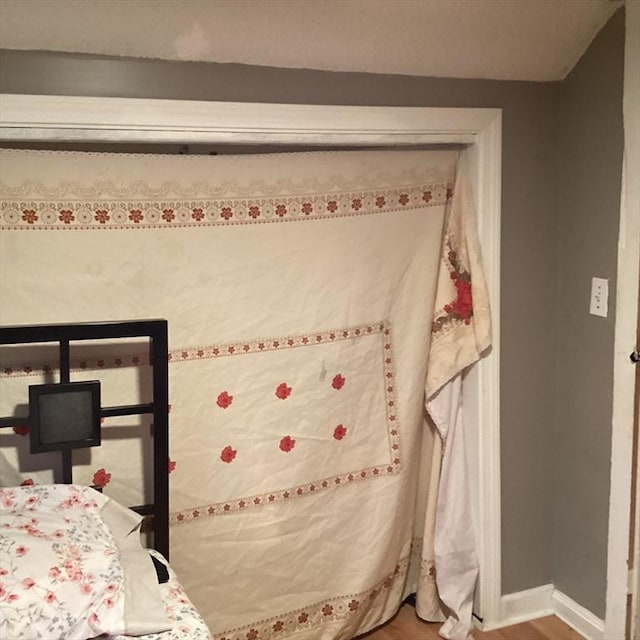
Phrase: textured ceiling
(501, 39)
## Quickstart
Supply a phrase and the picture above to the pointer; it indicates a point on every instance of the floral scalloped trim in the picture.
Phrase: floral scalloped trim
(73, 214)
(353, 606)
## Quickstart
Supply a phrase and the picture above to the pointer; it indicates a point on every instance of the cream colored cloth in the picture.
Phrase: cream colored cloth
(300, 291)
(462, 331)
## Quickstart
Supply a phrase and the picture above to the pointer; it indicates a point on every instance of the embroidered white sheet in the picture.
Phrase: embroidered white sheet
(310, 299)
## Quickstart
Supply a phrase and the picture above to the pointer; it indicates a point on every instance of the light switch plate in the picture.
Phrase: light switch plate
(599, 297)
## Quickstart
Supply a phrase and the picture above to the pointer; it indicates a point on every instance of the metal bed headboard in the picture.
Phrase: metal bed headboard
(157, 333)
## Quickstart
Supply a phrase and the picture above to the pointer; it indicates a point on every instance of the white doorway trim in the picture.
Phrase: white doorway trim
(625, 333)
(92, 119)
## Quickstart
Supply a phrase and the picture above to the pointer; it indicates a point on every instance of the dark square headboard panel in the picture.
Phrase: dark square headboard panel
(157, 333)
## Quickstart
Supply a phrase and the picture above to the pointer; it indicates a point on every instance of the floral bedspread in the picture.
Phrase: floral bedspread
(187, 622)
(58, 574)
(60, 571)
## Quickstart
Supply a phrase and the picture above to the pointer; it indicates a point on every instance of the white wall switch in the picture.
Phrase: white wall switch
(599, 297)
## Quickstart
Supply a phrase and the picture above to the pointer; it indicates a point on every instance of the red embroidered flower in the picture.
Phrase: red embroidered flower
(135, 215)
(228, 454)
(462, 306)
(303, 617)
(287, 443)
(339, 432)
(356, 204)
(252, 634)
(226, 213)
(306, 208)
(21, 430)
(426, 196)
(29, 216)
(278, 626)
(197, 214)
(449, 193)
(380, 202)
(332, 206)
(102, 216)
(27, 483)
(224, 400)
(403, 198)
(353, 605)
(101, 478)
(281, 210)
(168, 215)
(67, 216)
(171, 465)
(254, 212)
(338, 381)
(283, 391)
(327, 610)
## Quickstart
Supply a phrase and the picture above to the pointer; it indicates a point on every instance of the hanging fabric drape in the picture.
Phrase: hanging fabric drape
(311, 299)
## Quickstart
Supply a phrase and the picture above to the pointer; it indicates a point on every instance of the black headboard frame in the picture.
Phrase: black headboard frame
(157, 332)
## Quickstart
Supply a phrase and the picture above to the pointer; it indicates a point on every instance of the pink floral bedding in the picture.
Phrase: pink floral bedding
(61, 574)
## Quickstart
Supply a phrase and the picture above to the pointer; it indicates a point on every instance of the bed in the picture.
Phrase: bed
(72, 564)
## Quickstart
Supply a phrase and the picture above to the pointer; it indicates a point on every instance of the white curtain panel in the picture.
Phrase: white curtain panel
(311, 299)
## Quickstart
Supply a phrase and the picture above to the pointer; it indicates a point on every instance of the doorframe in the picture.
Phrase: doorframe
(126, 120)
(625, 331)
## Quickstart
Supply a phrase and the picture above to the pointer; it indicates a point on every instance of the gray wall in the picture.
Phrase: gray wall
(530, 253)
(589, 164)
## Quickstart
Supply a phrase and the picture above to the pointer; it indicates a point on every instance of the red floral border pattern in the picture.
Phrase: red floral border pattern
(323, 484)
(82, 215)
(354, 606)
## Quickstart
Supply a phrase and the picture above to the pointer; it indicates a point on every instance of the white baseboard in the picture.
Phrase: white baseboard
(546, 600)
(523, 606)
(576, 616)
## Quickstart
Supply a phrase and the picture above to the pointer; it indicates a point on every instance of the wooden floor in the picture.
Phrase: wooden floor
(406, 626)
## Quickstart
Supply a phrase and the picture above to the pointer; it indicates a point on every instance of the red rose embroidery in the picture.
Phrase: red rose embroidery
(21, 431)
(224, 400)
(254, 212)
(403, 199)
(171, 465)
(338, 381)
(226, 213)
(287, 443)
(168, 215)
(462, 306)
(380, 202)
(101, 478)
(426, 196)
(281, 210)
(339, 432)
(332, 206)
(306, 208)
(356, 204)
(197, 214)
(228, 454)
(283, 391)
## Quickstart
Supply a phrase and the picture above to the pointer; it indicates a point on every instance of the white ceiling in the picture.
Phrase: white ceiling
(500, 39)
